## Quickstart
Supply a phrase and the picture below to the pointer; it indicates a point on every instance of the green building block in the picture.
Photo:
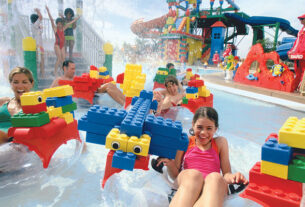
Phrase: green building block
(30, 120)
(185, 100)
(296, 170)
(172, 72)
(69, 108)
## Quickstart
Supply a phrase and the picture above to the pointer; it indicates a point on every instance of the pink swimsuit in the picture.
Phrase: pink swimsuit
(204, 161)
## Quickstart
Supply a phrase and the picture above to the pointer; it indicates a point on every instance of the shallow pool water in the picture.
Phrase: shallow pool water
(245, 122)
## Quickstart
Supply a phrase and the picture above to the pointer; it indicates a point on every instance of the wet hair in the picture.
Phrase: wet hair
(206, 112)
(168, 65)
(21, 70)
(34, 18)
(66, 63)
(59, 20)
(69, 10)
(170, 79)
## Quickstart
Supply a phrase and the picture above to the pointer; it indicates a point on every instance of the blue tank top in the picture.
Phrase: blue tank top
(5, 118)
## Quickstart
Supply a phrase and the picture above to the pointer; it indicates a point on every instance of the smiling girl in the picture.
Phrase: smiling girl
(203, 172)
(21, 80)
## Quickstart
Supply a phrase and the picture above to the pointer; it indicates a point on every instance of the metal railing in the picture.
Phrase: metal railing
(92, 45)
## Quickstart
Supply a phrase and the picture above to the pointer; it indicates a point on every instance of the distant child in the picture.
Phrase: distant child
(37, 29)
(59, 46)
(69, 36)
(170, 96)
(203, 172)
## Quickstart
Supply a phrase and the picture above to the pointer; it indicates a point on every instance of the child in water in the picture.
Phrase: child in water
(198, 170)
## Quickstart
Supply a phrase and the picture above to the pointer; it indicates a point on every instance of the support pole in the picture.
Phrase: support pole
(29, 56)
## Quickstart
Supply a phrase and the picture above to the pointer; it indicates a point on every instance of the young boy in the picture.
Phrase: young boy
(37, 30)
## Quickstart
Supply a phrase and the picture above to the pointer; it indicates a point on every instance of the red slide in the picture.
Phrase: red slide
(151, 28)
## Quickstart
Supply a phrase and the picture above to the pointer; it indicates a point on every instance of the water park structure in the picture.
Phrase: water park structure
(189, 34)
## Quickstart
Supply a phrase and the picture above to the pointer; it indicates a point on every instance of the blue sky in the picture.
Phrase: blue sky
(112, 18)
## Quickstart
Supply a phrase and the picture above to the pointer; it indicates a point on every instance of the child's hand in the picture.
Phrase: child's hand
(236, 178)
(158, 96)
(167, 162)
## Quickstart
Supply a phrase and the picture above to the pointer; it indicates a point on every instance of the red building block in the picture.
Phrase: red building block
(195, 83)
(141, 163)
(120, 78)
(35, 108)
(45, 140)
(271, 191)
(194, 104)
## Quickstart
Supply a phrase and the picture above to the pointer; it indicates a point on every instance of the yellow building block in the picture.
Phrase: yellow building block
(104, 76)
(94, 74)
(29, 44)
(188, 75)
(192, 95)
(274, 169)
(292, 133)
(68, 117)
(139, 146)
(203, 91)
(116, 141)
(32, 98)
(59, 91)
(102, 69)
(54, 112)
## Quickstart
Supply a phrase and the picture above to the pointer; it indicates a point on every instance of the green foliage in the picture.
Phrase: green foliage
(267, 44)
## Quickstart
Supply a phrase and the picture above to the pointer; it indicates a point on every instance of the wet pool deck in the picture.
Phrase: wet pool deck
(218, 78)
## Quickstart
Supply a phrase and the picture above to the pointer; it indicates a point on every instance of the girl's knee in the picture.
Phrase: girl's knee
(215, 178)
(190, 177)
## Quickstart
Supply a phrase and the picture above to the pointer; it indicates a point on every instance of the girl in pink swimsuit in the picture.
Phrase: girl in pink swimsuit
(198, 171)
(59, 39)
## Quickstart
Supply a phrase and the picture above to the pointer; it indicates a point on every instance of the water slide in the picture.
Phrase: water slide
(149, 28)
(262, 20)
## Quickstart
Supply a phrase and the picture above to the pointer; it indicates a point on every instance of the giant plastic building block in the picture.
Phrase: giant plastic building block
(134, 132)
(45, 140)
(116, 141)
(86, 85)
(274, 169)
(272, 191)
(46, 130)
(59, 91)
(277, 153)
(32, 98)
(296, 170)
(30, 120)
(33, 109)
(123, 160)
(59, 101)
(292, 133)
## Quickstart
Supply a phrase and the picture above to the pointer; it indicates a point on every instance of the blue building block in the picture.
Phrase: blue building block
(59, 101)
(132, 125)
(162, 151)
(146, 95)
(106, 116)
(123, 160)
(154, 105)
(95, 138)
(85, 125)
(161, 126)
(276, 153)
(191, 90)
(178, 143)
(104, 73)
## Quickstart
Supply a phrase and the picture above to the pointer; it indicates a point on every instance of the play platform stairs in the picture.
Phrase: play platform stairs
(88, 47)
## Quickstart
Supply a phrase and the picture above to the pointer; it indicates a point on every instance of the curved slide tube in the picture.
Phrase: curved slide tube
(262, 20)
(145, 29)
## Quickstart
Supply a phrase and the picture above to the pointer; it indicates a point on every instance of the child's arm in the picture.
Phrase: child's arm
(173, 166)
(225, 165)
(69, 23)
(38, 13)
(51, 19)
